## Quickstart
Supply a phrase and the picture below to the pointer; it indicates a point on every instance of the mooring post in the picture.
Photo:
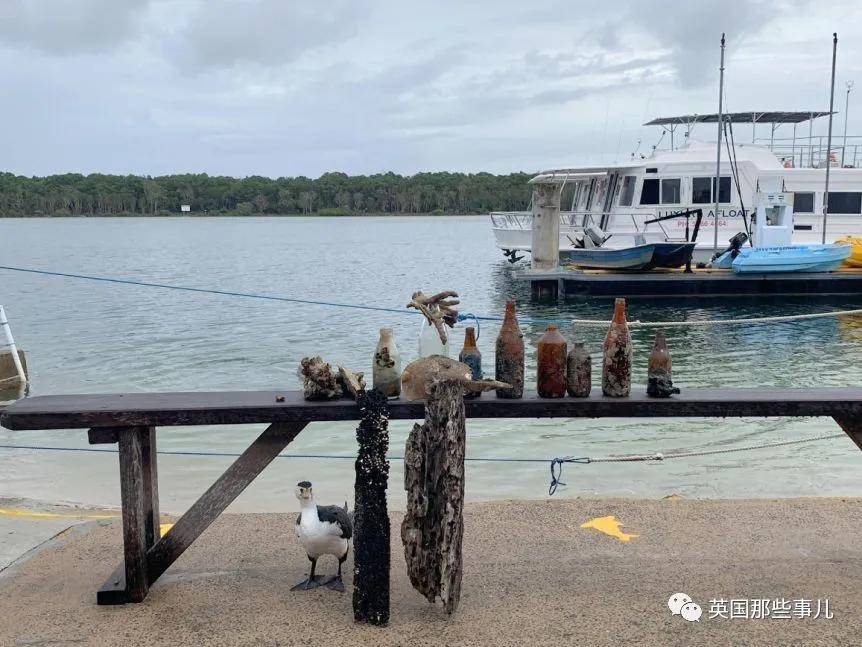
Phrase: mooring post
(545, 248)
(371, 517)
(433, 525)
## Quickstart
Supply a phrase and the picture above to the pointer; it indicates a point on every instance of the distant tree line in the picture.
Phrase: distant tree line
(74, 194)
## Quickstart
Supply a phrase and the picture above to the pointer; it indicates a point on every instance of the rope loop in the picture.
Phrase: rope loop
(463, 316)
(557, 470)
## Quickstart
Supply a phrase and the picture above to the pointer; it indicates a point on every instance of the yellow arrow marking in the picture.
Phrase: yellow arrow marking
(609, 526)
(21, 512)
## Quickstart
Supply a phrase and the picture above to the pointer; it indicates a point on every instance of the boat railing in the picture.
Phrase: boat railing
(814, 151)
(572, 219)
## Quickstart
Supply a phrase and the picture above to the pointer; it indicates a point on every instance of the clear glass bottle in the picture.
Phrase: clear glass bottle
(386, 371)
(429, 341)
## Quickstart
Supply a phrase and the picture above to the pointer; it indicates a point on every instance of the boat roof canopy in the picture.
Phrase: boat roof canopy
(769, 117)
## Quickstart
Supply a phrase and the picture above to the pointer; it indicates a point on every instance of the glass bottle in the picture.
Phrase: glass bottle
(471, 356)
(429, 341)
(386, 371)
(509, 358)
(579, 371)
(617, 355)
(551, 364)
(659, 383)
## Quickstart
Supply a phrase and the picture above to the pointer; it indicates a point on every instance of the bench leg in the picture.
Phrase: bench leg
(164, 551)
(852, 426)
(152, 529)
(134, 498)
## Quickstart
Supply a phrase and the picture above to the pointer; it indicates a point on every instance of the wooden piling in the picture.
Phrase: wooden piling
(371, 517)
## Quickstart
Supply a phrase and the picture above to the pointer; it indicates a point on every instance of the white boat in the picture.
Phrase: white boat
(621, 198)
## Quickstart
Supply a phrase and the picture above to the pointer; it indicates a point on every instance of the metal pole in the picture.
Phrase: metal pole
(829, 138)
(793, 147)
(717, 182)
(846, 117)
(10, 343)
(810, 139)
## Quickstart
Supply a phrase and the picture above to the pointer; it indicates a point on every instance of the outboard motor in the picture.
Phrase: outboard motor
(736, 244)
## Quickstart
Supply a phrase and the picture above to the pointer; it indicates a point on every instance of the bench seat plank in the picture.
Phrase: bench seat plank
(244, 407)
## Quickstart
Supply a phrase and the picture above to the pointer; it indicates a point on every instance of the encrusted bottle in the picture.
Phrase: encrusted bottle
(386, 372)
(617, 355)
(551, 364)
(509, 358)
(579, 371)
(659, 383)
(471, 356)
(429, 341)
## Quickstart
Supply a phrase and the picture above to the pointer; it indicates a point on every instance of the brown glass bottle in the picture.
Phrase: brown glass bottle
(471, 356)
(551, 364)
(617, 355)
(509, 358)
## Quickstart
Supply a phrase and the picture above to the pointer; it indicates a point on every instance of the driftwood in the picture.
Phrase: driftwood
(318, 380)
(351, 382)
(433, 525)
(371, 521)
(438, 309)
(418, 376)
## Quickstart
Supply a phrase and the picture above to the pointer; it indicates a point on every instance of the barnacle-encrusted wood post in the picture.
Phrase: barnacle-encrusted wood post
(438, 309)
(433, 525)
(371, 520)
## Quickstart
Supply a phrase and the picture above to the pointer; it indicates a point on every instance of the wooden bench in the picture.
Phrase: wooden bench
(130, 420)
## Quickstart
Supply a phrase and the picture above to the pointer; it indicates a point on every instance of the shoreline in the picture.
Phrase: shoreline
(255, 215)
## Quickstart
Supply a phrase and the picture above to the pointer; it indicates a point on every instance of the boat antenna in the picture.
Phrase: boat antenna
(717, 181)
(829, 138)
(637, 148)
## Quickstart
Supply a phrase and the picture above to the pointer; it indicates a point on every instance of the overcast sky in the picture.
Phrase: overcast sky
(282, 87)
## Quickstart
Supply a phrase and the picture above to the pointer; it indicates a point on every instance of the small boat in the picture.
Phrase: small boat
(855, 258)
(638, 257)
(791, 258)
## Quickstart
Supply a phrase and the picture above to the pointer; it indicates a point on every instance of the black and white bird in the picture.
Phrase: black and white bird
(322, 530)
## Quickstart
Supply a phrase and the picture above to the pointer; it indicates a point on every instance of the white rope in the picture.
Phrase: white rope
(707, 452)
(588, 323)
(557, 463)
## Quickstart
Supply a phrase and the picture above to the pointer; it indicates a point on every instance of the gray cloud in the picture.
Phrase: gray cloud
(278, 88)
(225, 33)
(80, 27)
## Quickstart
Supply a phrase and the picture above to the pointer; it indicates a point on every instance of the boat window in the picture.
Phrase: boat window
(649, 191)
(628, 192)
(670, 191)
(723, 189)
(803, 203)
(601, 192)
(845, 202)
(701, 190)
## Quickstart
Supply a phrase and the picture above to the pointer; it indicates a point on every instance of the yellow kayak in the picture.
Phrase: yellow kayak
(855, 258)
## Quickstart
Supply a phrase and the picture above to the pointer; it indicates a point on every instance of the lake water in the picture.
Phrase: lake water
(84, 336)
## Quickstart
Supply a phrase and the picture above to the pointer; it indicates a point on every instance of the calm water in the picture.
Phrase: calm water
(95, 337)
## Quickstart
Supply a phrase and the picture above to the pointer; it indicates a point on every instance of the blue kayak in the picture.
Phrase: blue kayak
(793, 258)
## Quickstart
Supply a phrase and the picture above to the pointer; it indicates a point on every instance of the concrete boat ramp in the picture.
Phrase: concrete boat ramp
(559, 572)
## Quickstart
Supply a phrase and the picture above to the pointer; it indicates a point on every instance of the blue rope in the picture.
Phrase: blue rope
(229, 455)
(254, 295)
(557, 470)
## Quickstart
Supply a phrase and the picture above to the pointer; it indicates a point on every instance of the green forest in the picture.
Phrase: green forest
(332, 194)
